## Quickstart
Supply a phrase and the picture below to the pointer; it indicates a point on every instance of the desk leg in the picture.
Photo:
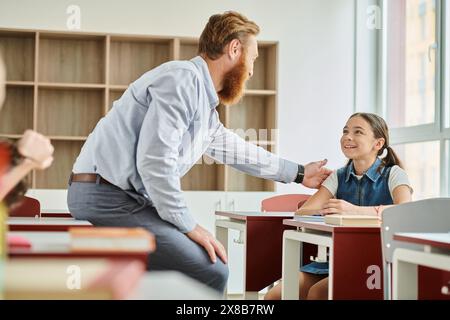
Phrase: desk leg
(222, 237)
(405, 270)
(405, 281)
(330, 274)
(251, 295)
(404, 278)
(291, 259)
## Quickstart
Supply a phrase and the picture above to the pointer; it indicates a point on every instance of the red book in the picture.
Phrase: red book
(14, 242)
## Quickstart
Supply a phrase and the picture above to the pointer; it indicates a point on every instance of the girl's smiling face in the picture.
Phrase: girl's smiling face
(358, 140)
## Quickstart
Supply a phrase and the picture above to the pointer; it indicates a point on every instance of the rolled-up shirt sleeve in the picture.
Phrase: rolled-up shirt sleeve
(228, 148)
(172, 104)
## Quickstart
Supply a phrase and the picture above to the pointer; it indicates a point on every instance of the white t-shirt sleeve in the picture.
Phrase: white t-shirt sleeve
(331, 183)
(398, 177)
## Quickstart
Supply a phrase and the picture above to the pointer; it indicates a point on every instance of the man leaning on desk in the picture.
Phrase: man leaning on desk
(128, 172)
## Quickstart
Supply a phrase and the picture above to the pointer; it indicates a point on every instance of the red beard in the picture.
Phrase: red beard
(234, 84)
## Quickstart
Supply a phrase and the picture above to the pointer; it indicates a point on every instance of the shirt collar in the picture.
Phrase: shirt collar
(373, 173)
(201, 65)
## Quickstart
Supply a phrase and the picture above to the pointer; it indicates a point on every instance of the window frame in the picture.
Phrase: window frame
(436, 131)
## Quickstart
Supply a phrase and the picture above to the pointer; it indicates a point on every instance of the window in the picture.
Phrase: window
(447, 68)
(446, 183)
(411, 63)
(415, 91)
(423, 18)
(423, 172)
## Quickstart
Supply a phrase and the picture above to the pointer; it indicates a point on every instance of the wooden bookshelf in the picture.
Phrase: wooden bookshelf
(62, 83)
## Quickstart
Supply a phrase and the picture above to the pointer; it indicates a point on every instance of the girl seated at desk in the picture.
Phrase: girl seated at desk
(372, 180)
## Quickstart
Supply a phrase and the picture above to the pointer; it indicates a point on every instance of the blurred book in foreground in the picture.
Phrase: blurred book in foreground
(114, 239)
(98, 279)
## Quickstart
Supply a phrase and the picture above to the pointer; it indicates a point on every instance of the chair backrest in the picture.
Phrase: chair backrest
(284, 203)
(28, 207)
(431, 215)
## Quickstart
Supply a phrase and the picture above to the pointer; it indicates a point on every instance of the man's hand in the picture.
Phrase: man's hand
(207, 241)
(315, 174)
(36, 149)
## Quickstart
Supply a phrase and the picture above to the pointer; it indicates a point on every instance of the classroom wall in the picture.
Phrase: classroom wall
(316, 54)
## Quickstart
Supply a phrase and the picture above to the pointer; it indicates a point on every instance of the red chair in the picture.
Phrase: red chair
(284, 203)
(289, 203)
(28, 207)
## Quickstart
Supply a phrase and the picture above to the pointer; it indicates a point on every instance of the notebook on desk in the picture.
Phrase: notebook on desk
(309, 218)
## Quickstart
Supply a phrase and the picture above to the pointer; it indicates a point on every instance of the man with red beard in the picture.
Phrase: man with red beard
(128, 172)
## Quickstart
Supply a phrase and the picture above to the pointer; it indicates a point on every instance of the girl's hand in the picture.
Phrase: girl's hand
(337, 206)
(36, 147)
(38, 165)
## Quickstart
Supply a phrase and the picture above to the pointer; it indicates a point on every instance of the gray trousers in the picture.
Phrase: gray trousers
(107, 205)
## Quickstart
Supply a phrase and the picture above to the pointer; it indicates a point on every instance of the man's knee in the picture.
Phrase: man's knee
(216, 275)
(220, 271)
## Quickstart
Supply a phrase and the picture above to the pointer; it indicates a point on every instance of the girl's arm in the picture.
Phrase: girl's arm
(12, 177)
(36, 151)
(316, 202)
(401, 194)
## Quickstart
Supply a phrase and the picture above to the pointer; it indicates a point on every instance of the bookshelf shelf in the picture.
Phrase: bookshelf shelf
(18, 50)
(129, 59)
(17, 111)
(84, 108)
(66, 59)
(56, 177)
(19, 83)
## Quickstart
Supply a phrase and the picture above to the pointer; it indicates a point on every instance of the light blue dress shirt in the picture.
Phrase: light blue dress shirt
(160, 127)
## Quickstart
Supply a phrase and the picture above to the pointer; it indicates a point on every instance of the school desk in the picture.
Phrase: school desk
(44, 224)
(55, 213)
(406, 263)
(45, 244)
(262, 234)
(355, 259)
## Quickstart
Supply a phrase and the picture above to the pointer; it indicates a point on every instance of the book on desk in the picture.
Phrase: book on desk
(340, 219)
(352, 220)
